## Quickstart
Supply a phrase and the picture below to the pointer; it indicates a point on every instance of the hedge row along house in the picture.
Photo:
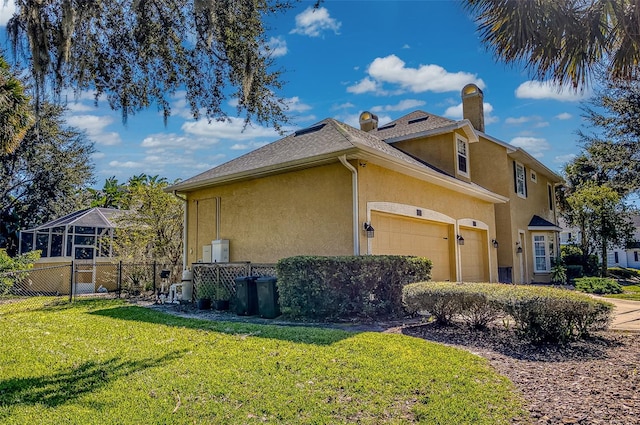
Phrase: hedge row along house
(479, 208)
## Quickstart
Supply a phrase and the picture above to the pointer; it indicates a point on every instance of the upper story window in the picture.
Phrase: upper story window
(534, 177)
(462, 149)
(519, 174)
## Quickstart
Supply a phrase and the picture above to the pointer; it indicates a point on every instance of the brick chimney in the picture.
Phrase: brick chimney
(368, 121)
(472, 108)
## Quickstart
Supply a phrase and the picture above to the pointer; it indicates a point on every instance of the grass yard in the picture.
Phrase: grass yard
(107, 362)
(630, 292)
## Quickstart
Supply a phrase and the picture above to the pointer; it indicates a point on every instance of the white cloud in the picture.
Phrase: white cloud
(313, 22)
(345, 105)
(277, 47)
(455, 112)
(94, 126)
(98, 155)
(519, 120)
(536, 146)
(294, 105)
(393, 70)
(250, 145)
(563, 159)
(548, 90)
(6, 12)
(564, 116)
(233, 129)
(126, 164)
(366, 85)
(406, 46)
(172, 140)
(403, 105)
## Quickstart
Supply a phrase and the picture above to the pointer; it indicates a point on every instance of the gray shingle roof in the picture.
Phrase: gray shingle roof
(415, 122)
(325, 138)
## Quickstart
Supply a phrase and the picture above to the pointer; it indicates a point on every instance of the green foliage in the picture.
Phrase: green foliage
(13, 264)
(623, 273)
(540, 313)
(597, 285)
(629, 292)
(138, 53)
(346, 287)
(112, 363)
(574, 272)
(151, 229)
(15, 110)
(44, 177)
(558, 272)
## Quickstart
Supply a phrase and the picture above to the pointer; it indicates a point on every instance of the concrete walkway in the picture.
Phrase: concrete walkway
(626, 315)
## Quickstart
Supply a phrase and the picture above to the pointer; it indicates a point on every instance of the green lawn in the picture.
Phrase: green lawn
(630, 292)
(106, 362)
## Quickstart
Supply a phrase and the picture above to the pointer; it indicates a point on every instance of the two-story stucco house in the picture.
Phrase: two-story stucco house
(480, 209)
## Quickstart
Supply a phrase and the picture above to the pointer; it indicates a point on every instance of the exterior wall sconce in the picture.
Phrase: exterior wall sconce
(460, 240)
(494, 243)
(519, 248)
(369, 229)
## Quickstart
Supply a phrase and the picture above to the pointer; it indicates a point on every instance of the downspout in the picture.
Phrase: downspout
(184, 230)
(354, 188)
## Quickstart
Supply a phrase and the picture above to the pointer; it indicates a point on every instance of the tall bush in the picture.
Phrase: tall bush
(329, 288)
(14, 264)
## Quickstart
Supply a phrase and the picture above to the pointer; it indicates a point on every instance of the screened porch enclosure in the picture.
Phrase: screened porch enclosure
(84, 236)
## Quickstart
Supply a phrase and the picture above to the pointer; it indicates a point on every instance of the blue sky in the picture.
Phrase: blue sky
(388, 57)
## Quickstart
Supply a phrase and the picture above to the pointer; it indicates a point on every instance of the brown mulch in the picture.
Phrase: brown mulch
(594, 381)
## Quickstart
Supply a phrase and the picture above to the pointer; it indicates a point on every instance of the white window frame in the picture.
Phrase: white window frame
(540, 242)
(465, 143)
(534, 177)
(521, 180)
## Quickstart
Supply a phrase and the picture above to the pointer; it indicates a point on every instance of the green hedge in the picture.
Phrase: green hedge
(330, 288)
(539, 313)
(598, 285)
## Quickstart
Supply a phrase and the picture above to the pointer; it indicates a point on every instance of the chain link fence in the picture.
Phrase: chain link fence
(69, 281)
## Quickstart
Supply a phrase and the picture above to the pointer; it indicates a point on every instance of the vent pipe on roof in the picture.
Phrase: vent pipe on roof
(368, 121)
(472, 106)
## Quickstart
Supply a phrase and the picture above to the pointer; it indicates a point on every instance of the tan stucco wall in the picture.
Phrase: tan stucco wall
(306, 212)
(438, 151)
(377, 184)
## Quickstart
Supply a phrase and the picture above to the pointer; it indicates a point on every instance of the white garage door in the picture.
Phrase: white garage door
(399, 235)
(473, 255)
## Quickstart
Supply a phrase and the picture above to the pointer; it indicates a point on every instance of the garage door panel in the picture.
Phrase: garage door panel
(406, 236)
(473, 255)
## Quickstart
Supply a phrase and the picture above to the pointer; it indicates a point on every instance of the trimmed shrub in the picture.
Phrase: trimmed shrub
(598, 285)
(329, 288)
(623, 273)
(540, 313)
(574, 272)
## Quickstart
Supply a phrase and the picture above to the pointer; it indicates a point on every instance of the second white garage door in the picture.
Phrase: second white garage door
(399, 235)
(473, 255)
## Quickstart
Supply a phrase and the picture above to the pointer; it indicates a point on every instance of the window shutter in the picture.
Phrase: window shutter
(525, 181)
(515, 178)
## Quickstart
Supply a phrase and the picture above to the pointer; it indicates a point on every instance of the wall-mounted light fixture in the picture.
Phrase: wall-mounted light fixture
(369, 229)
(460, 240)
(519, 248)
(494, 243)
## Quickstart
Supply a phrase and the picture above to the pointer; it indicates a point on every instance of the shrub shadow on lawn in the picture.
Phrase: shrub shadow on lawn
(245, 326)
(57, 389)
(506, 342)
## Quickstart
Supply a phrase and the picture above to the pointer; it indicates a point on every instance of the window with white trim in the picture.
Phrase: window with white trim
(534, 177)
(520, 179)
(541, 258)
(462, 149)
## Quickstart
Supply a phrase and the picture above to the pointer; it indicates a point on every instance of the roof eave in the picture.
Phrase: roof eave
(259, 172)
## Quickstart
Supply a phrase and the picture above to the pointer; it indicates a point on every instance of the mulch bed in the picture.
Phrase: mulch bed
(595, 381)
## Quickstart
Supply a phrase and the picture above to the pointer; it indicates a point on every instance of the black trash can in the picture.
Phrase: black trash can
(268, 305)
(246, 296)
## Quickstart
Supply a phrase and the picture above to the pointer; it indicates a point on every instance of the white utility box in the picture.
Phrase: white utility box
(220, 251)
(206, 254)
